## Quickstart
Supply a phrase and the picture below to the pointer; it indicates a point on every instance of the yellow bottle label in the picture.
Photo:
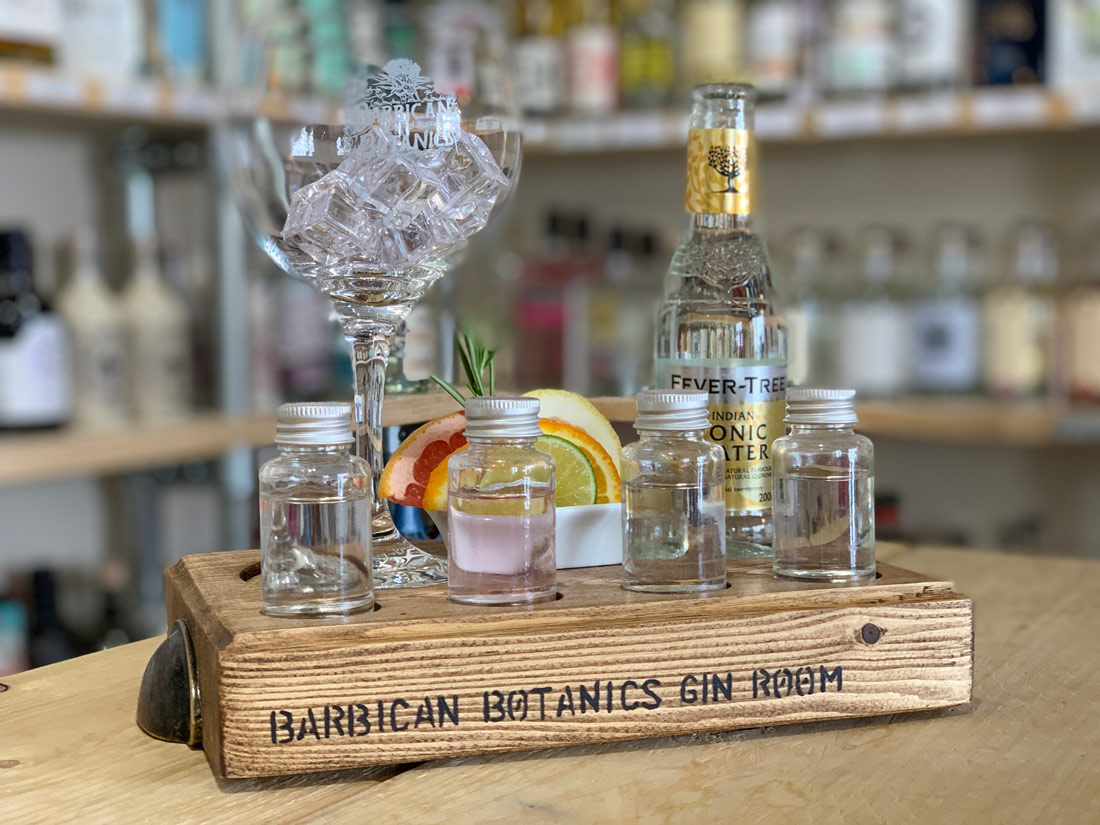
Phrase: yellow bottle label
(747, 405)
(718, 172)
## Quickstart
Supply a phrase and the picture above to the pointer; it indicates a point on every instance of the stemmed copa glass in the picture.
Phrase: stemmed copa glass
(366, 202)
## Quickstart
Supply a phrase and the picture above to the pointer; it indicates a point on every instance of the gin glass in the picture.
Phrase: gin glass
(366, 198)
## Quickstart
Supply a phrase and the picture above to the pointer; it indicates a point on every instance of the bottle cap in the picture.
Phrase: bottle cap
(492, 416)
(671, 410)
(809, 406)
(314, 424)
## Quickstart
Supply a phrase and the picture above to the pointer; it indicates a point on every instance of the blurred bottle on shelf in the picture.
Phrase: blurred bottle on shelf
(284, 28)
(304, 343)
(647, 53)
(30, 30)
(97, 327)
(421, 347)
(1073, 38)
(808, 311)
(1010, 42)
(366, 22)
(1019, 315)
(1082, 320)
(860, 48)
(103, 38)
(181, 41)
(539, 53)
(451, 28)
(945, 321)
(265, 393)
(712, 38)
(541, 304)
(14, 656)
(158, 330)
(400, 32)
(327, 39)
(934, 38)
(872, 331)
(776, 45)
(35, 363)
(112, 580)
(609, 320)
(592, 57)
(50, 640)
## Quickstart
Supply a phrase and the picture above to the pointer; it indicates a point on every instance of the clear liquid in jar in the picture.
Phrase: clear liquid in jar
(315, 551)
(674, 536)
(824, 524)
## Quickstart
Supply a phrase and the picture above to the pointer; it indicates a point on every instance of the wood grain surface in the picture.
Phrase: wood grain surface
(1023, 751)
(424, 678)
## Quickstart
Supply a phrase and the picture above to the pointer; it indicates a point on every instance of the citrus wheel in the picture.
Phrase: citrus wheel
(574, 475)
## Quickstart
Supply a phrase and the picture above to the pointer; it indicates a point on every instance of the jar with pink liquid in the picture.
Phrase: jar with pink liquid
(500, 503)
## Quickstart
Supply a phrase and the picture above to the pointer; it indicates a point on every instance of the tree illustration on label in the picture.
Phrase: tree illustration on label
(725, 161)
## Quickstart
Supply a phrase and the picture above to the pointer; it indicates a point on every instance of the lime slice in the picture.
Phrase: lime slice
(574, 475)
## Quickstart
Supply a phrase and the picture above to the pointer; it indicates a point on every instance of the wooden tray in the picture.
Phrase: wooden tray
(423, 678)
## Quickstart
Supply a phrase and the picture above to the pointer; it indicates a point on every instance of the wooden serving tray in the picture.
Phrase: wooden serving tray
(423, 678)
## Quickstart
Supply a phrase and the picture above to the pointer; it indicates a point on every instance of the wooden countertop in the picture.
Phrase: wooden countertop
(1023, 751)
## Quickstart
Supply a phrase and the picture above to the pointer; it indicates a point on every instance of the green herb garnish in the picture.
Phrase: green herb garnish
(476, 359)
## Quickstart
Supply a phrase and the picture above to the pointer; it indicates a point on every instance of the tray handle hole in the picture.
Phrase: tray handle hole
(250, 572)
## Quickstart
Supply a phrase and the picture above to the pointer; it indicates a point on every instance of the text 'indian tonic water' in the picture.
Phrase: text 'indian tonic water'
(717, 330)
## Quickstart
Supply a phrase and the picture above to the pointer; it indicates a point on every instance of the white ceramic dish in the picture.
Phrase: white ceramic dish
(590, 535)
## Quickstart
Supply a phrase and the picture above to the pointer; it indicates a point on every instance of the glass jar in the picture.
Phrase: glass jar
(823, 491)
(315, 525)
(500, 507)
(674, 511)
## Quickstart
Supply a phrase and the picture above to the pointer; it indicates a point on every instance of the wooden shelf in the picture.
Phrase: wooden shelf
(73, 453)
(35, 91)
(976, 112)
(963, 420)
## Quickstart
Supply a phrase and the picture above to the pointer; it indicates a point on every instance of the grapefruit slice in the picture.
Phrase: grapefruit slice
(608, 484)
(581, 413)
(409, 469)
(435, 489)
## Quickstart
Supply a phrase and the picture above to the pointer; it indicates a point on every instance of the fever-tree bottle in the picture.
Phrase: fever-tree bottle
(717, 330)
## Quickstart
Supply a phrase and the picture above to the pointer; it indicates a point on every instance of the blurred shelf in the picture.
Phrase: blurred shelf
(973, 113)
(73, 453)
(35, 91)
(962, 420)
(76, 453)
(965, 420)
(42, 91)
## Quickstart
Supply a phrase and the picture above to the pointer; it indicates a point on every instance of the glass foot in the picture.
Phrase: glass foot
(399, 563)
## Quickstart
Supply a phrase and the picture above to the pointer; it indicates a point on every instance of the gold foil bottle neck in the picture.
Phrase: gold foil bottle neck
(718, 179)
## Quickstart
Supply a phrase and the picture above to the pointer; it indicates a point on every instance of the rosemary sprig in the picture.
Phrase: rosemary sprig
(476, 359)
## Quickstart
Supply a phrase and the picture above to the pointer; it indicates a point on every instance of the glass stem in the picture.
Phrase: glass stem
(369, 351)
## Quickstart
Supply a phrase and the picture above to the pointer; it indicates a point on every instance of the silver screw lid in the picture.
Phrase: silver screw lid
(314, 424)
(494, 416)
(671, 410)
(813, 406)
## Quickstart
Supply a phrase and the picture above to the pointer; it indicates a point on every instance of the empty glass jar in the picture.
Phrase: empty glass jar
(315, 525)
(823, 491)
